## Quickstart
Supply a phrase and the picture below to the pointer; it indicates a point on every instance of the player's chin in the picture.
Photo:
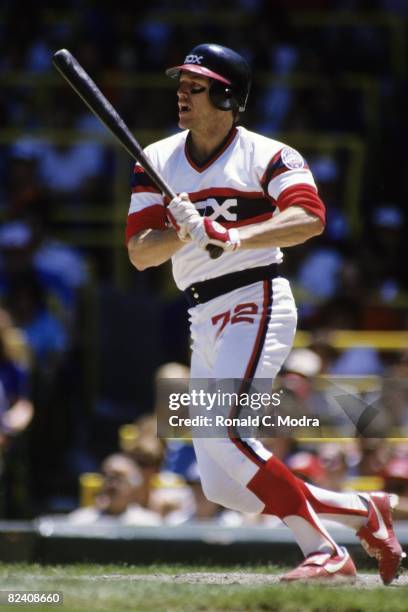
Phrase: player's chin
(184, 121)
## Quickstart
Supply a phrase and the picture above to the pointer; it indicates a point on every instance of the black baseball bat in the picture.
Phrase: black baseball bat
(85, 87)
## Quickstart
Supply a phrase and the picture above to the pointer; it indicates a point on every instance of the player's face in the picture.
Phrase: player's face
(195, 107)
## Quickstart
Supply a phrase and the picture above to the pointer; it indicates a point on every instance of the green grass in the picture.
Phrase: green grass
(85, 588)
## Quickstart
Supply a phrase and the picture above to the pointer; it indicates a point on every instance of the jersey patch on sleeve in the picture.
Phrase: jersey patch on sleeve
(292, 159)
(286, 168)
(285, 160)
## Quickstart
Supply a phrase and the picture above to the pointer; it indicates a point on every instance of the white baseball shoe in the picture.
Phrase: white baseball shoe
(325, 567)
(377, 536)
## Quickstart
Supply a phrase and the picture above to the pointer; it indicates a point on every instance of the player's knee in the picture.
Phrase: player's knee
(217, 449)
(243, 501)
(212, 493)
(219, 495)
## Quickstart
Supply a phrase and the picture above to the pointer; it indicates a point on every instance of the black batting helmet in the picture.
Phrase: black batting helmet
(229, 73)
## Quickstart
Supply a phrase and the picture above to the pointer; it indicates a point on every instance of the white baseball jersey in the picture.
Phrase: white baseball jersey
(243, 183)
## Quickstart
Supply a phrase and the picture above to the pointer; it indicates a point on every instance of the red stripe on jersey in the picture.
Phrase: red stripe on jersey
(243, 446)
(138, 169)
(145, 189)
(304, 196)
(278, 172)
(258, 219)
(266, 314)
(273, 161)
(153, 217)
(204, 194)
(197, 196)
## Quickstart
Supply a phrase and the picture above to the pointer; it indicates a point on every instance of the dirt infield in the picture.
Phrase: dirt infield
(364, 581)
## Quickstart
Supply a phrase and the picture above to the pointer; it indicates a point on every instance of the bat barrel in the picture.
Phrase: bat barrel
(87, 89)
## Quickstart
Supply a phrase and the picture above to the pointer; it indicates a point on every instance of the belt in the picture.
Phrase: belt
(199, 293)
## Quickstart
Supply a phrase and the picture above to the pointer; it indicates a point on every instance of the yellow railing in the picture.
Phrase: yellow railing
(342, 339)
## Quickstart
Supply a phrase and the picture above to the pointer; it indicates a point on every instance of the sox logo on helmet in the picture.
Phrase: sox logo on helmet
(193, 59)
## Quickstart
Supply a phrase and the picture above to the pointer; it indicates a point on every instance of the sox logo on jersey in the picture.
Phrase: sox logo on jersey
(220, 210)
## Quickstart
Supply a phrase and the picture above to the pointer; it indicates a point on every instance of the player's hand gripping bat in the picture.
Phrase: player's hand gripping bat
(82, 83)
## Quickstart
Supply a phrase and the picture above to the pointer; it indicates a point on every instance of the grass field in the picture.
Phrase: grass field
(169, 588)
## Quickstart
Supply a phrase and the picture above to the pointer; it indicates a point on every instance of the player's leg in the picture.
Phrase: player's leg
(347, 508)
(272, 477)
(221, 488)
(217, 485)
(255, 347)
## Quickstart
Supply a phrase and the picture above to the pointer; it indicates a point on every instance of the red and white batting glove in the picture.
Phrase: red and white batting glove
(183, 216)
(210, 232)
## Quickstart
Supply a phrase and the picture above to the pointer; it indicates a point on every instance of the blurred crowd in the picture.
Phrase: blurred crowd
(154, 481)
(78, 349)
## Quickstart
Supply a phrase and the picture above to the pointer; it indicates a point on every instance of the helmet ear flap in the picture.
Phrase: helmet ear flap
(222, 96)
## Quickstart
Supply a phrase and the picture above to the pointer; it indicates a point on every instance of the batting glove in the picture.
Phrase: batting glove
(183, 216)
(210, 232)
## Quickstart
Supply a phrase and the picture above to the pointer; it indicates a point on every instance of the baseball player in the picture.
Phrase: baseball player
(250, 196)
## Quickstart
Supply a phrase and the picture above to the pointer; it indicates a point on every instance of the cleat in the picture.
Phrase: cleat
(324, 567)
(377, 536)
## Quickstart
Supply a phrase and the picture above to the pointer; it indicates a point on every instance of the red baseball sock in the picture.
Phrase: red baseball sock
(347, 507)
(282, 495)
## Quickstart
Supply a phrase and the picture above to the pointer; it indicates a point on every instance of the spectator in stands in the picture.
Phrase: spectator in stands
(3, 409)
(139, 441)
(309, 467)
(395, 475)
(333, 456)
(322, 346)
(299, 370)
(59, 268)
(358, 361)
(119, 498)
(193, 506)
(17, 409)
(25, 195)
(300, 397)
(73, 173)
(45, 334)
(373, 455)
(16, 414)
(395, 395)
(383, 260)
(148, 453)
(318, 274)
(337, 405)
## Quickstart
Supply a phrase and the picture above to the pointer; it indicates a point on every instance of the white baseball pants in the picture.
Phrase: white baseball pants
(245, 334)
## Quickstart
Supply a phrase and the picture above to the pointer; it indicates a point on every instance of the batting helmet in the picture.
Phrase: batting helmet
(229, 73)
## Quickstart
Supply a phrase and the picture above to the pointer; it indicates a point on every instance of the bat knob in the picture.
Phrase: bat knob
(215, 251)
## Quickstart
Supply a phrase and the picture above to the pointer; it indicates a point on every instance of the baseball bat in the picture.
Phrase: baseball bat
(85, 87)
